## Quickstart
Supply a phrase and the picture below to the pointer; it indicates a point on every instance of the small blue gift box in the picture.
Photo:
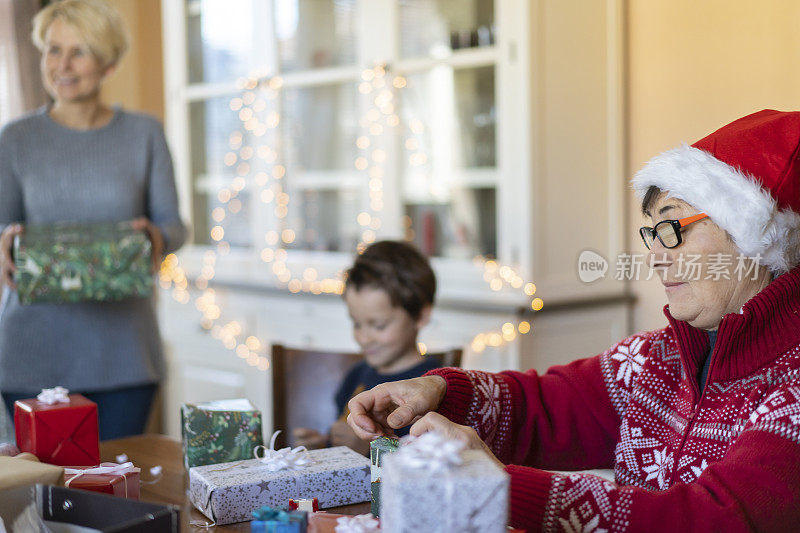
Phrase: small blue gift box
(270, 520)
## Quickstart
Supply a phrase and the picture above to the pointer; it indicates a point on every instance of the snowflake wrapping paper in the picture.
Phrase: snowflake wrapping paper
(471, 497)
(228, 493)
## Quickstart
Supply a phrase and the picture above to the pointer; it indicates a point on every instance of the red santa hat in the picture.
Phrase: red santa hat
(746, 177)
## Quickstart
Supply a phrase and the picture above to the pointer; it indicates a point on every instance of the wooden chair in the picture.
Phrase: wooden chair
(304, 383)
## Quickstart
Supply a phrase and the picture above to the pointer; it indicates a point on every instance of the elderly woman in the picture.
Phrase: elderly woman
(700, 420)
(79, 160)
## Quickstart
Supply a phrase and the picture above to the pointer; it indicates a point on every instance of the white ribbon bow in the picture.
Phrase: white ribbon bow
(283, 459)
(363, 523)
(104, 468)
(431, 451)
(51, 396)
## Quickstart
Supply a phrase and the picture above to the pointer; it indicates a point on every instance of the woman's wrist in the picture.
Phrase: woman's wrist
(455, 392)
(440, 386)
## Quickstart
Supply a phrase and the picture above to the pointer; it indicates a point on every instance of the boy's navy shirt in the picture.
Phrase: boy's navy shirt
(363, 377)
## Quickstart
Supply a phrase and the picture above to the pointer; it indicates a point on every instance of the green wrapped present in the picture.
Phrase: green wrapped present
(219, 432)
(378, 449)
(76, 262)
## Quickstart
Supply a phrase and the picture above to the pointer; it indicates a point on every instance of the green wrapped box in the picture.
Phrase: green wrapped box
(219, 432)
(378, 449)
(76, 262)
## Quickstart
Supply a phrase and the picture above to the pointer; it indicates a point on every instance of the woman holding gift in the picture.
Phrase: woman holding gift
(79, 160)
(700, 420)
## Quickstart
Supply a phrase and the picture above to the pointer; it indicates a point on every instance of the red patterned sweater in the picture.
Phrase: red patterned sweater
(726, 458)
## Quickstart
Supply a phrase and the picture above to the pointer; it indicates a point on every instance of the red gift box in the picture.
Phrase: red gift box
(63, 433)
(110, 478)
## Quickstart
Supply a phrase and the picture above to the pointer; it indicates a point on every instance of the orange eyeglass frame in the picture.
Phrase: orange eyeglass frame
(652, 232)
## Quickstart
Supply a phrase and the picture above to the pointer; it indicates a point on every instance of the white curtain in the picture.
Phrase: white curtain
(20, 84)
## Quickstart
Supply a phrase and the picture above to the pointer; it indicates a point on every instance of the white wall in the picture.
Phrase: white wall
(693, 67)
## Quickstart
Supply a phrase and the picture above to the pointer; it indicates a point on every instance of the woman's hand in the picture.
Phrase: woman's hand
(343, 435)
(156, 239)
(310, 438)
(452, 431)
(388, 406)
(7, 267)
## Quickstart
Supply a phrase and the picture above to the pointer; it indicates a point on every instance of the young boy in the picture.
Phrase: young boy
(389, 294)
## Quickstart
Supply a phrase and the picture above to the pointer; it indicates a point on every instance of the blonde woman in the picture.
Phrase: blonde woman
(79, 160)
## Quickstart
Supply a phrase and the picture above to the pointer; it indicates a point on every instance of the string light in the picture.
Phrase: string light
(252, 103)
(499, 276)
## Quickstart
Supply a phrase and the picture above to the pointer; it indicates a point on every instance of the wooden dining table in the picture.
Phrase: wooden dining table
(147, 451)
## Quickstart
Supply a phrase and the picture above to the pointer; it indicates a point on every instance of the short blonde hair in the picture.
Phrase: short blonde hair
(98, 23)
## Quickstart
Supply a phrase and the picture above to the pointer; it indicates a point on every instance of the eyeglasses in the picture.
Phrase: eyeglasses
(668, 231)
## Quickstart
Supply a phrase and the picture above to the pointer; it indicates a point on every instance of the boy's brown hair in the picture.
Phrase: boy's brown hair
(399, 269)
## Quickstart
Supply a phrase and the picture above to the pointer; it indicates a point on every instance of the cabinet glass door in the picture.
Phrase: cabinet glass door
(438, 27)
(285, 152)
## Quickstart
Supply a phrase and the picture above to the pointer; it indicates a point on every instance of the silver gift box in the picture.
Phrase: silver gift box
(470, 497)
(229, 492)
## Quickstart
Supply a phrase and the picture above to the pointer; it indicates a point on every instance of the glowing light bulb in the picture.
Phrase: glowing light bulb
(217, 233)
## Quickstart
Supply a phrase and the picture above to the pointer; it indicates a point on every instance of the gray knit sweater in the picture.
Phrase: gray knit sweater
(50, 173)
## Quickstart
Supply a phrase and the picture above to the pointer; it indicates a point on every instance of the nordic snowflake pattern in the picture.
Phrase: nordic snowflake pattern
(573, 525)
(630, 360)
(662, 439)
(660, 469)
(487, 414)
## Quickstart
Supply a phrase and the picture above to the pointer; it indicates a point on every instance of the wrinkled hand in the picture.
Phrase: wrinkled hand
(7, 267)
(343, 435)
(452, 431)
(156, 239)
(310, 438)
(389, 406)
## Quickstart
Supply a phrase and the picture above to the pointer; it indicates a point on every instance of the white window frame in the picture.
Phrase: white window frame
(459, 279)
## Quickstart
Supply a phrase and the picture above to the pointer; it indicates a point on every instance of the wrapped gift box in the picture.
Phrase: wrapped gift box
(228, 493)
(120, 480)
(63, 433)
(219, 432)
(311, 505)
(25, 469)
(323, 522)
(82, 261)
(378, 449)
(271, 526)
(327, 522)
(470, 496)
(44, 508)
(270, 520)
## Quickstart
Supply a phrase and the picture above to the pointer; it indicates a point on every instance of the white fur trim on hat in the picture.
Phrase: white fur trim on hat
(735, 202)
